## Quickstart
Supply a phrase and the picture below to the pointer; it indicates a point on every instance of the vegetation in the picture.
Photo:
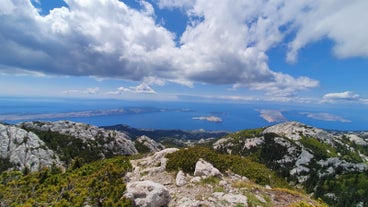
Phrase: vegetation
(185, 159)
(249, 133)
(100, 183)
(344, 190)
(141, 148)
(319, 149)
(306, 204)
(5, 164)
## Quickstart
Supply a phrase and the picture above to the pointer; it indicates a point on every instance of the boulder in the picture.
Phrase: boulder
(148, 194)
(206, 169)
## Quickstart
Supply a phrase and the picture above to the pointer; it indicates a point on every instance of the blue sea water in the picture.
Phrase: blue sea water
(170, 115)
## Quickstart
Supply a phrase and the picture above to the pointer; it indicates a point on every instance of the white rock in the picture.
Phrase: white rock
(148, 194)
(195, 179)
(206, 169)
(357, 140)
(222, 183)
(180, 179)
(260, 198)
(187, 202)
(25, 149)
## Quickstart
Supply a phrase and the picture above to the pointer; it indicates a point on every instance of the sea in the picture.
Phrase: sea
(178, 115)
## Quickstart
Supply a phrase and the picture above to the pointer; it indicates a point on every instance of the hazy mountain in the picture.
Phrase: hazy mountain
(160, 134)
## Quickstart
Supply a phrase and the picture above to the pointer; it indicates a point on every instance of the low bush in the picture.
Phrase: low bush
(100, 183)
(185, 159)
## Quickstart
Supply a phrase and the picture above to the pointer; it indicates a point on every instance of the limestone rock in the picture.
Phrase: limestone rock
(180, 179)
(151, 144)
(111, 141)
(148, 194)
(25, 149)
(206, 169)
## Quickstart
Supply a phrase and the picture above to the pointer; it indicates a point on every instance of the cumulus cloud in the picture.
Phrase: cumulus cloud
(338, 20)
(272, 115)
(141, 88)
(225, 42)
(208, 118)
(343, 96)
(326, 117)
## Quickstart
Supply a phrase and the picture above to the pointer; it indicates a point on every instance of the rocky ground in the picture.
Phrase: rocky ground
(150, 185)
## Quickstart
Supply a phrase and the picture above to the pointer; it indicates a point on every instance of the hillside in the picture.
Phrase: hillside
(150, 181)
(331, 165)
(271, 166)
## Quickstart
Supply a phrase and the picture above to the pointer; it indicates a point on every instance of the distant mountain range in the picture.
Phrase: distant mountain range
(158, 134)
(331, 165)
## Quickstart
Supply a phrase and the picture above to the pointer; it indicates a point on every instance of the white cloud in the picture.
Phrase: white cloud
(225, 42)
(208, 118)
(326, 117)
(338, 20)
(272, 115)
(343, 96)
(141, 88)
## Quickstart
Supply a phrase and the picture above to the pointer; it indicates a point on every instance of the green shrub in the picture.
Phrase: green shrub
(100, 183)
(185, 159)
(320, 149)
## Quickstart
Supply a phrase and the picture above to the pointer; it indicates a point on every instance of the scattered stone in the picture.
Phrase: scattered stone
(232, 199)
(260, 198)
(222, 183)
(195, 179)
(148, 194)
(187, 202)
(206, 169)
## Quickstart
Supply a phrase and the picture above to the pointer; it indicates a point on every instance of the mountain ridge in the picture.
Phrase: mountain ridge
(307, 157)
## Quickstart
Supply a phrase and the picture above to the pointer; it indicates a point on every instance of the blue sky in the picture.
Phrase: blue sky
(277, 51)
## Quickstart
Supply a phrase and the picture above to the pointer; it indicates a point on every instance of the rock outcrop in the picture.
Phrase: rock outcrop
(151, 144)
(112, 141)
(25, 149)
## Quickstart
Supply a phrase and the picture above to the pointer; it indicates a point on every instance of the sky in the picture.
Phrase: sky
(271, 51)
